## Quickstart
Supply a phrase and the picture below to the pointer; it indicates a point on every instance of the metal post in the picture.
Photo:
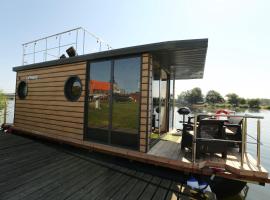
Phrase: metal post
(194, 139)
(46, 44)
(173, 100)
(5, 112)
(59, 44)
(258, 142)
(34, 54)
(243, 142)
(77, 40)
(83, 39)
(245, 150)
(23, 54)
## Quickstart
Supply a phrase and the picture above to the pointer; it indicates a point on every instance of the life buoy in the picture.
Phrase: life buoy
(222, 114)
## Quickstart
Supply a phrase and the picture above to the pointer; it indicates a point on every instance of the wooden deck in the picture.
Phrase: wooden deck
(172, 150)
(37, 170)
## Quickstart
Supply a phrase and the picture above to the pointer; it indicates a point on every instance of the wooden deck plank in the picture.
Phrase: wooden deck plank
(160, 193)
(32, 175)
(36, 170)
(103, 184)
(112, 187)
(24, 167)
(232, 164)
(67, 183)
(138, 189)
(91, 185)
(125, 189)
(150, 190)
(30, 187)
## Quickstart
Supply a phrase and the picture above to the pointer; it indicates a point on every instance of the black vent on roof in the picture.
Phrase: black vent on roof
(71, 52)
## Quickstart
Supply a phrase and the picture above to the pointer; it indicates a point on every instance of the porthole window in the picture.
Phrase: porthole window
(73, 88)
(22, 90)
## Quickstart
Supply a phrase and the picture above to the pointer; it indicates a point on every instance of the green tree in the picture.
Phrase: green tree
(213, 97)
(183, 98)
(254, 103)
(242, 101)
(233, 99)
(2, 100)
(191, 96)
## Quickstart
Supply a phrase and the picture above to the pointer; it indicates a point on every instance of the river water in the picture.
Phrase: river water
(10, 112)
(255, 191)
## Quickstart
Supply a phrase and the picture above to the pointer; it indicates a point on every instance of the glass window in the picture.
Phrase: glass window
(22, 90)
(155, 93)
(99, 101)
(126, 101)
(73, 88)
(160, 104)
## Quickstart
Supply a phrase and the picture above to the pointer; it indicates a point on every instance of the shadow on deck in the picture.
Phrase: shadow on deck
(33, 169)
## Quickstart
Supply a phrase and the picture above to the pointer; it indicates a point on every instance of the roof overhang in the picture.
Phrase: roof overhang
(183, 58)
(183, 61)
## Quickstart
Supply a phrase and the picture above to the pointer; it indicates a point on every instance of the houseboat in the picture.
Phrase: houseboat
(121, 102)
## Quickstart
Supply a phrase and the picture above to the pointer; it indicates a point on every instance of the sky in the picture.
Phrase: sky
(238, 57)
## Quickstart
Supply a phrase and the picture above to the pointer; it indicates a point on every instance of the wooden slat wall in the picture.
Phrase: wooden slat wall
(46, 111)
(146, 102)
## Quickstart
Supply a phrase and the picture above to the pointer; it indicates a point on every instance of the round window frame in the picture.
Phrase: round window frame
(68, 84)
(19, 92)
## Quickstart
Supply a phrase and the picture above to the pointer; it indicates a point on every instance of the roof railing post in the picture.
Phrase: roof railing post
(258, 142)
(77, 32)
(23, 54)
(46, 48)
(34, 53)
(83, 39)
(59, 45)
(194, 140)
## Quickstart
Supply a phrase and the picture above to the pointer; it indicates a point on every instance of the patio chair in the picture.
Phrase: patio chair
(187, 134)
(207, 129)
(234, 130)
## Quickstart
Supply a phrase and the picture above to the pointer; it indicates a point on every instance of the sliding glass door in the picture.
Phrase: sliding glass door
(160, 110)
(99, 101)
(114, 102)
(126, 102)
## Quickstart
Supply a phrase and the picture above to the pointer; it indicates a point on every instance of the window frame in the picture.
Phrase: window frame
(87, 88)
(19, 92)
(69, 96)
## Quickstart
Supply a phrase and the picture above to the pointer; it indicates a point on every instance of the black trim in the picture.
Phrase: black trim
(86, 128)
(69, 82)
(154, 47)
(111, 104)
(86, 105)
(19, 92)
(140, 107)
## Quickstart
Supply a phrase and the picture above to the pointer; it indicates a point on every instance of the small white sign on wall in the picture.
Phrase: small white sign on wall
(32, 77)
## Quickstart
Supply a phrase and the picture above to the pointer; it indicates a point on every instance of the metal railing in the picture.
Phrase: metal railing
(244, 141)
(79, 43)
